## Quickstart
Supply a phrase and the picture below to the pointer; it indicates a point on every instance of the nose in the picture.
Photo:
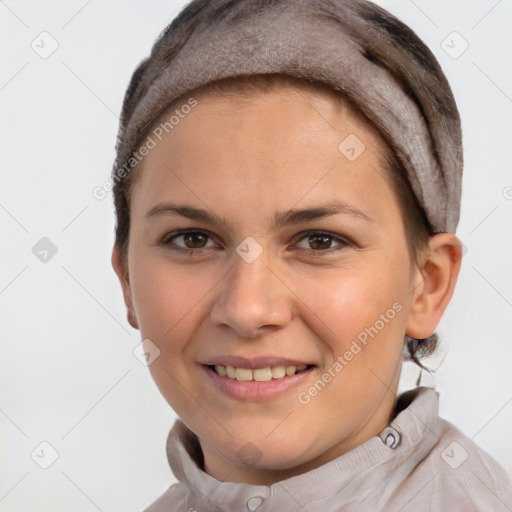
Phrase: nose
(252, 299)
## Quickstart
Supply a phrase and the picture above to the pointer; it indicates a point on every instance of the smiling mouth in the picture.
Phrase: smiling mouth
(258, 374)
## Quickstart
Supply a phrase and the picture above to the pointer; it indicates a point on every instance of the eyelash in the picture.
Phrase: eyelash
(343, 243)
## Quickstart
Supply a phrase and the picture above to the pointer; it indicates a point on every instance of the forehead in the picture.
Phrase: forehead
(266, 148)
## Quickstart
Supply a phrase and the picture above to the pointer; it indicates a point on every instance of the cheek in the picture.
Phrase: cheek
(349, 300)
(169, 300)
(359, 315)
(170, 303)
(360, 318)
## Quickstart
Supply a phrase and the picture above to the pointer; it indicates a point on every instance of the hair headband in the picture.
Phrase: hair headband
(353, 46)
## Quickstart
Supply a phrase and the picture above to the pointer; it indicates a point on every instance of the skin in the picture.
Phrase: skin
(299, 299)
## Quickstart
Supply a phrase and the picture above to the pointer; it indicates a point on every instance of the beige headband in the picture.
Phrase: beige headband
(400, 88)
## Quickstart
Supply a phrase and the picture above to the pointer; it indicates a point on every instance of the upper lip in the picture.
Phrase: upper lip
(253, 362)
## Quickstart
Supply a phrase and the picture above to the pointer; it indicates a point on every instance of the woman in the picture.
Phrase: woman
(287, 189)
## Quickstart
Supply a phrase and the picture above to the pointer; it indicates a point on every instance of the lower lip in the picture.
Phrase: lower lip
(254, 391)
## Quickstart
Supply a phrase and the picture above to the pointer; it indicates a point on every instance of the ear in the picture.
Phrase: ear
(434, 285)
(122, 274)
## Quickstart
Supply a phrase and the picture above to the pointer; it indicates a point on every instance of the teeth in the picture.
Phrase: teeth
(221, 370)
(259, 374)
(262, 374)
(290, 370)
(279, 371)
(243, 374)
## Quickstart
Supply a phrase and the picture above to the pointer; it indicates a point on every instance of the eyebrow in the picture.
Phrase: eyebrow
(279, 219)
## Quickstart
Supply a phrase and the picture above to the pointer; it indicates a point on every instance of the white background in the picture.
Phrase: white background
(68, 375)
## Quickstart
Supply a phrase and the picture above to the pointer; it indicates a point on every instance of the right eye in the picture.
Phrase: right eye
(188, 241)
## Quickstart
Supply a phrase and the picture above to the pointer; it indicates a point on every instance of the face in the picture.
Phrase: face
(294, 257)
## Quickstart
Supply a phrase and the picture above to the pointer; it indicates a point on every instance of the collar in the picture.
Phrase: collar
(410, 436)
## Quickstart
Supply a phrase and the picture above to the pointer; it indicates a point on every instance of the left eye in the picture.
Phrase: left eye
(320, 241)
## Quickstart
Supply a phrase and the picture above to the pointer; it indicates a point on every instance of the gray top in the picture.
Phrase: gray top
(419, 463)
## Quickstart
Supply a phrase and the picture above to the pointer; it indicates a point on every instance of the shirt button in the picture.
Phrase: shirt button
(254, 503)
(390, 437)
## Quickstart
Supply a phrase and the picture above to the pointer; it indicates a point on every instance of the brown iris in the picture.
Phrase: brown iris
(195, 240)
(320, 241)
